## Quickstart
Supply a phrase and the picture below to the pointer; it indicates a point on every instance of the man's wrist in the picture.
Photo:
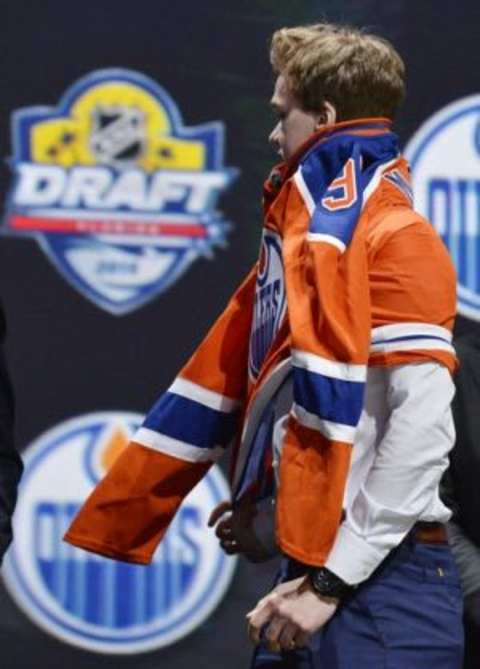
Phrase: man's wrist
(327, 584)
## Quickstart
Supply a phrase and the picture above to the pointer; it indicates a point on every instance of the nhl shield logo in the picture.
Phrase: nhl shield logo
(120, 195)
(119, 135)
(92, 602)
(444, 155)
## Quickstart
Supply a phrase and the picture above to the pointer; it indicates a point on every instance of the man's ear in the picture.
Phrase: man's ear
(327, 116)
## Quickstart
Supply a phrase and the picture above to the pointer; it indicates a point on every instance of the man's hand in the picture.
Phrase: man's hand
(290, 614)
(235, 531)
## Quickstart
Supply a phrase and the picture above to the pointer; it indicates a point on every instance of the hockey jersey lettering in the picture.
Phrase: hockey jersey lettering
(346, 183)
(270, 301)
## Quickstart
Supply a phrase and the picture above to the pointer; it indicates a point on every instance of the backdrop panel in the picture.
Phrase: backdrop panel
(95, 331)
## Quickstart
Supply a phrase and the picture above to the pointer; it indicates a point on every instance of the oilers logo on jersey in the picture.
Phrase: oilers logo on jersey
(444, 155)
(270, 300)
(118, 193)
(96, 603)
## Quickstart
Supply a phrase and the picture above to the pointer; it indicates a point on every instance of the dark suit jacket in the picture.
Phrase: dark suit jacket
(465, 457)
(10, 462)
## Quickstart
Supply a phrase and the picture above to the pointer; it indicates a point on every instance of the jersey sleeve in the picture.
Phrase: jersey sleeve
(188, 429)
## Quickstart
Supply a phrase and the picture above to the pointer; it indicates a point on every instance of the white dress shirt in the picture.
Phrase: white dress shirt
(399, 455)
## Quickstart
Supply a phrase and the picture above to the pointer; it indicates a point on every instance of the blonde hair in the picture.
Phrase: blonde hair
(360, 74)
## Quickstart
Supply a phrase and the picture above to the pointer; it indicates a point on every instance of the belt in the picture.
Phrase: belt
(429, 533)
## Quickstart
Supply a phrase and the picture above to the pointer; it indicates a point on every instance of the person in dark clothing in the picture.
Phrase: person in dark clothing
(463, 486)
(10, 462)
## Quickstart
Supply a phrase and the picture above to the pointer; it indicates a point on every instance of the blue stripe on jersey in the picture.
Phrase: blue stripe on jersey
(397, 179)
(191, 422)
(409, 337)
(328, 398)
(336, 224)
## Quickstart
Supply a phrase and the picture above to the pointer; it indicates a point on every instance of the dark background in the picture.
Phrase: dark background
(67, 357)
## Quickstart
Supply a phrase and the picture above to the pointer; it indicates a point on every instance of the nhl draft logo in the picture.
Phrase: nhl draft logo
(444, 155)
(270, 301)
(92, 602)
(118, 193)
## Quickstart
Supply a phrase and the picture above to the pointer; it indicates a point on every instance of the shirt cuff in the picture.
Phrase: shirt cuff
(352, 558)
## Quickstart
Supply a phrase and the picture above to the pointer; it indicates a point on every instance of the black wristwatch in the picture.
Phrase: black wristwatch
(328, 584)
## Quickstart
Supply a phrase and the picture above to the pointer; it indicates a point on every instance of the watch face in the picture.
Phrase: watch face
(320, 581)
(328, 584)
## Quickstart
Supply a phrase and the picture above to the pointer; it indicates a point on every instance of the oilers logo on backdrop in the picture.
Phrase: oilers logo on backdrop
(270, 300)
(444, 155)
(118, 193)
(95, 603)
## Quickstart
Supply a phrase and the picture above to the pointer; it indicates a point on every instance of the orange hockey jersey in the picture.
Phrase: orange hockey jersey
(348, 276)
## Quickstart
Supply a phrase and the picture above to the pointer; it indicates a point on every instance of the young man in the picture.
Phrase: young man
(335, 350)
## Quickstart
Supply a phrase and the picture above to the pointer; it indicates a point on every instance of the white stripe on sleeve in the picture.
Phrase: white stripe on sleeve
(330, 430)
(197, 393)
(337, 370)
(174, 447)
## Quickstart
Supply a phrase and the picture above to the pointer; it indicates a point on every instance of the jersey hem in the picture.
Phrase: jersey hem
(105, 549)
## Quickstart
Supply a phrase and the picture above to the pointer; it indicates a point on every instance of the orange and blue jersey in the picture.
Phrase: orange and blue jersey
(349, 276)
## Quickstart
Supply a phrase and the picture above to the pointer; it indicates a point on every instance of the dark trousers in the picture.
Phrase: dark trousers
(408, 615)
